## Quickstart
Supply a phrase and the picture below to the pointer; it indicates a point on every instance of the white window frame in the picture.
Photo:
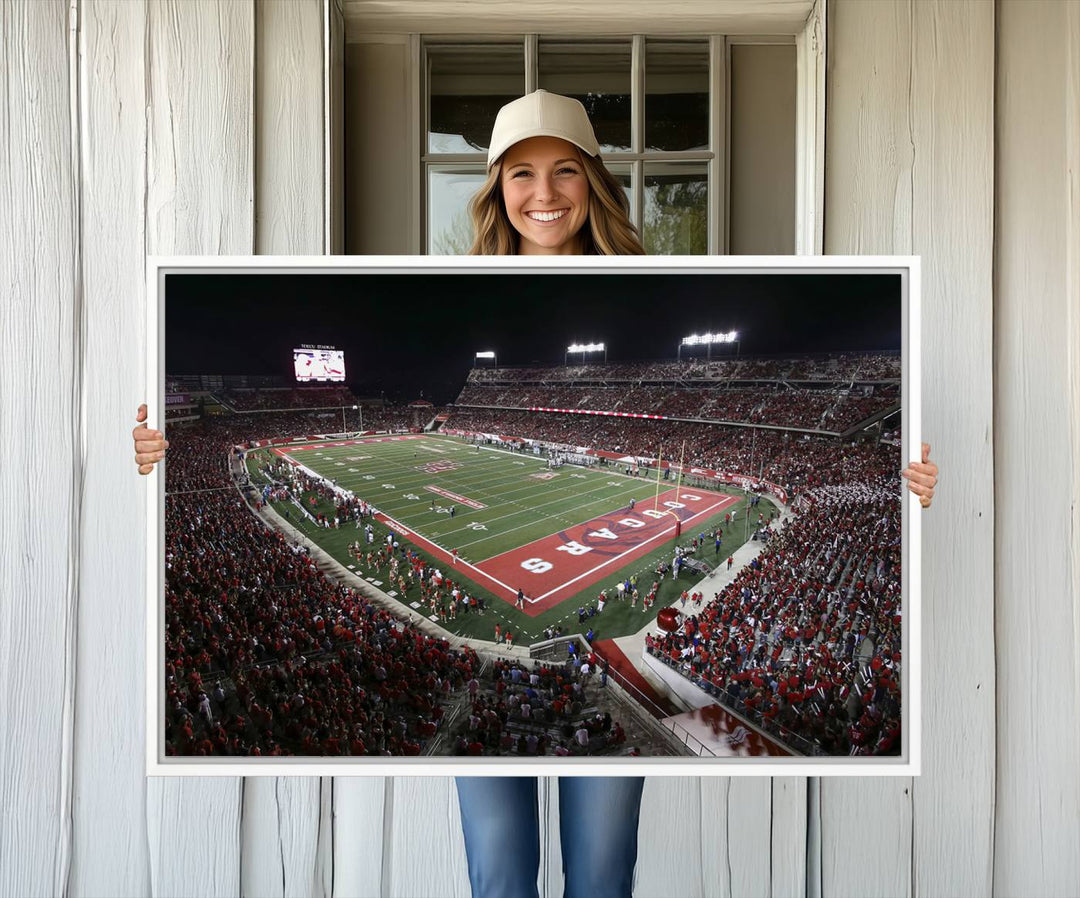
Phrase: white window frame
(809, 127)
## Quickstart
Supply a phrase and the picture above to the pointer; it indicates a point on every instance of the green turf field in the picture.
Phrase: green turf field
(396, 477)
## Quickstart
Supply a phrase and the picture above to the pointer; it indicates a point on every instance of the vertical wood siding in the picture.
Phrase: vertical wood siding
(290, 159)
(868, 160)
(109, 812)
(1036, 368)
(952, 122)
(190, 127)
(423, 848)
(199, 201)
(909, 169)
(283, 816)
(360, 811)
(40, 447)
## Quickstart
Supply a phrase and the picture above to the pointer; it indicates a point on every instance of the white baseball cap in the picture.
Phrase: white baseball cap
(541, 114)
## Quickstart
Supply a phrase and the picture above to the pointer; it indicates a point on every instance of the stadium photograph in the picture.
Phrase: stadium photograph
(508, 515)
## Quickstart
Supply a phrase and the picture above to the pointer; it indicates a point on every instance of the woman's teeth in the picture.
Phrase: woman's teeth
(546, 216)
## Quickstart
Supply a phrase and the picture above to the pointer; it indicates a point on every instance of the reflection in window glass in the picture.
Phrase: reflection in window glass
(676, 209)
(467, 85)
(597, 74)
(449, 191)
(623, 176)
(676, 95)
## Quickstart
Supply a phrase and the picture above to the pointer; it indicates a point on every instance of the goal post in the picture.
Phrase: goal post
(678, 488)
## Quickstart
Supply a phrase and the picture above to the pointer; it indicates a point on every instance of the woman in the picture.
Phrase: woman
(548, 193)
(546, 183)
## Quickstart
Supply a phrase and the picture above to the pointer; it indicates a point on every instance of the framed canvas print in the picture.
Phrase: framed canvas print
(507, 516)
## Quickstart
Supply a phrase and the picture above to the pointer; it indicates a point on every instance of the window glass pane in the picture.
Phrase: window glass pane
(676, 209)
(449, 191)
(467, 84)
(597, 74)
(676, 95)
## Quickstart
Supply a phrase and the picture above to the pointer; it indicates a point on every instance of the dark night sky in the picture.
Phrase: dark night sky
(407, 334)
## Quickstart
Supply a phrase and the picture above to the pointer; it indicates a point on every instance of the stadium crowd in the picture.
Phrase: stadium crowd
(539, 710)
(834, 409)
(846, 367)
(263, 654)
(806, 639)
(253, 399)
(795, 463)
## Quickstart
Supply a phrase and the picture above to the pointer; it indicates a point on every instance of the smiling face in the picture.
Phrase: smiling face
(546, 195)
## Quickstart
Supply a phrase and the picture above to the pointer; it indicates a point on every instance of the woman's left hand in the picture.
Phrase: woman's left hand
(922, 477)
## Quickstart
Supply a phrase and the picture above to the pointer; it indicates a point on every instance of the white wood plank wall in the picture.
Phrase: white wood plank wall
(909, 152)
(199, 196)
(109, 819)
(285, 849)
(171, 126)
(1037, 454)
(40, 438)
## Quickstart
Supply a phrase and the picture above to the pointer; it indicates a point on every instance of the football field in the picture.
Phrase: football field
(505, 521)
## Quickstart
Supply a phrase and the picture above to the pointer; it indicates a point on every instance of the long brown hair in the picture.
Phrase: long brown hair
(608, 230)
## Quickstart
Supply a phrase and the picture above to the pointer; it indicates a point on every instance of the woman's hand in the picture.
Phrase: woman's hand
(150, 445)
(922, 477)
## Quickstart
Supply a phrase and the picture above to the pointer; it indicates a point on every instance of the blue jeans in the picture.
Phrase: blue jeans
(598, 824)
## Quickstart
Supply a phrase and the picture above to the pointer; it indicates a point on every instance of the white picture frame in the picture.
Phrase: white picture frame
(908, 763)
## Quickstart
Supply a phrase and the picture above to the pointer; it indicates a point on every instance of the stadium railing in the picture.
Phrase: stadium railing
(791, 740)
(687, 738)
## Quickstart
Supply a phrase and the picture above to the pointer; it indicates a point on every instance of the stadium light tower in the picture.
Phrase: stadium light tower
(488, 354)
(707, 340)
(584, 349)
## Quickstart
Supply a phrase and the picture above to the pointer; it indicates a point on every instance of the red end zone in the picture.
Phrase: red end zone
(550, 568)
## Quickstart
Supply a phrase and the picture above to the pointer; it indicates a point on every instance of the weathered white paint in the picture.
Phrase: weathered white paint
(282, 816)
(1036, 307)
(868, 155)
(161, 154)
(788, 839)
(1072, 308)
(423, 848)
(109, 810)
(676, 822)
(909, 153)
(199, 200)
(40, 446)
(334, 126)
(290, 114)
(361, 808)
(952, 127)
(810, 134)
(557, 17)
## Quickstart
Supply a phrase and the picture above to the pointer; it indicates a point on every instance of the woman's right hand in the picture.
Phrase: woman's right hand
(150, 445)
